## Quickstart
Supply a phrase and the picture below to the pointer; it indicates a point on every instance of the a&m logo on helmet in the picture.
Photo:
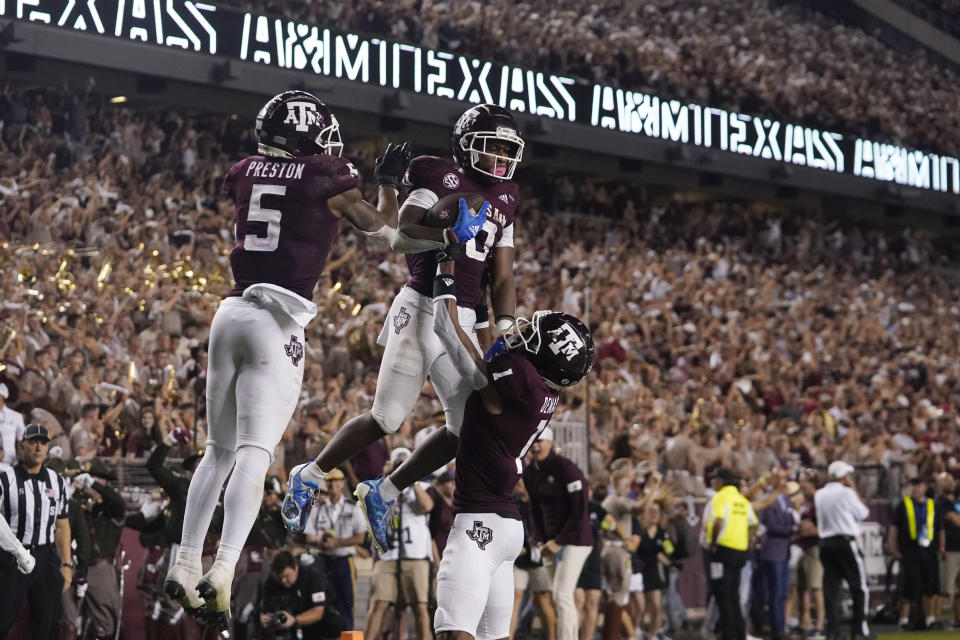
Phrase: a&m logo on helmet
(564, 340)
(302, 114)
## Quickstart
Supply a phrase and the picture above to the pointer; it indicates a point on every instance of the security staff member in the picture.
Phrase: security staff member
(33, 502)
(840, 510)
(730, 523)
(105, 510)
(916, 538)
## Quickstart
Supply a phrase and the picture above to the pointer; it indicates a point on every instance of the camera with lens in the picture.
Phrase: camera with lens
(279, 607)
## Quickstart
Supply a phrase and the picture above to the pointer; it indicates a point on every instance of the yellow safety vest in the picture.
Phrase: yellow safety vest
(912, 517)
(733, 510)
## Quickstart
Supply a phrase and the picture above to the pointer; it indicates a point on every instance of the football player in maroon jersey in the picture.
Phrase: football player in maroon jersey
(486, 149)
(514, 392)
(288, 202)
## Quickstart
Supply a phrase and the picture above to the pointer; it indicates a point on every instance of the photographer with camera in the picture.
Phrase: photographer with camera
(294, 597)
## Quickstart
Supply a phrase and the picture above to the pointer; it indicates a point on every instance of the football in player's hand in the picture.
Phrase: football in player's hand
(444, 213)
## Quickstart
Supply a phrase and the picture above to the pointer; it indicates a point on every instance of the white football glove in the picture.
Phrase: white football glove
(151, 509)
(84, 480)
(25, 561)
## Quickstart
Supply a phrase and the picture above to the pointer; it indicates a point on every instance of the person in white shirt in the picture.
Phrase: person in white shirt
(11, 430)
(337, 525)
(840, 510)
(413, 548)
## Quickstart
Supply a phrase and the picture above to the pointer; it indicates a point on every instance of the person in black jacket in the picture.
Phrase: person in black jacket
(80, 533)
(297, 597)
(104, 509)
(561, 523)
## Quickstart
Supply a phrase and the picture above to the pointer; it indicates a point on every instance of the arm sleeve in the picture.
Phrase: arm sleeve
(164, 477)
(8, 541)
(859, 509)
(506, 238)
(113, 503)
(422, 197)
(573, 482)
(464, 364)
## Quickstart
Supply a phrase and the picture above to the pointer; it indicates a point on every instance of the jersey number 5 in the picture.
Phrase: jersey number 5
(256, 213)
(526, 447)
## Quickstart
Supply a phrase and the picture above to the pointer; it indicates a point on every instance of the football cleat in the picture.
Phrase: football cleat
(297, 501)
(179, 585)
(376, 510)
(214, 588)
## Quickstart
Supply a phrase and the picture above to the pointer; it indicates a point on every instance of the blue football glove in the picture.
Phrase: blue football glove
(498, 347)
(469, 222)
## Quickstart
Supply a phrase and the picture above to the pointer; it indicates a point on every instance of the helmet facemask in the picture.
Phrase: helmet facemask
(474, 145)
(329, 138)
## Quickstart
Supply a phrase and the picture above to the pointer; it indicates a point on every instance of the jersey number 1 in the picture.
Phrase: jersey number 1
(526, 447)
(256, 213)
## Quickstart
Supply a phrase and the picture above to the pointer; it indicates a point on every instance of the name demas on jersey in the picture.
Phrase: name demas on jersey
(431, 178)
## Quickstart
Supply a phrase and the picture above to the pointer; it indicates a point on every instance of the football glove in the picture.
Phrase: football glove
(469, 222)
(392, 164)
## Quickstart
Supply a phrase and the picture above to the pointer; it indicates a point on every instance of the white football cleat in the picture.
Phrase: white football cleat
(214, 588)
(180, 585)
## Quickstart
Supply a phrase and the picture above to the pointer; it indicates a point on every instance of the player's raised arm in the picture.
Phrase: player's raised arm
(381, 223)
(469, 362)
(503, 289)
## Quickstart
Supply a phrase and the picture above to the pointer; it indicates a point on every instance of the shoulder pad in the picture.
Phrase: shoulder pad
(427, 171)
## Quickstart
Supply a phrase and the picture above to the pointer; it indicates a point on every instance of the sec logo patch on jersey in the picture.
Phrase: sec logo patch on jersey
(451, 181)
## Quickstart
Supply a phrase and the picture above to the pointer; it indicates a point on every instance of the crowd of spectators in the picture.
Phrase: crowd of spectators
(749, 337)
(765, 57)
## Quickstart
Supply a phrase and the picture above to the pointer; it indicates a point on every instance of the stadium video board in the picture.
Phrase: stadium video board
(278, 42)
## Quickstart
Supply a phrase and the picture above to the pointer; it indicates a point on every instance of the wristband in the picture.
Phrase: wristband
(69, 565)
(504, 324)
(483, 316)
(444, 288)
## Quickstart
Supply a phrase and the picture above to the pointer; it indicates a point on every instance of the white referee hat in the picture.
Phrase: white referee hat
(839, 469)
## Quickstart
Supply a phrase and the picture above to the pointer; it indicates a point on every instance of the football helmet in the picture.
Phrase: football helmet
(558, 345)
(296, 123)
(474, 131)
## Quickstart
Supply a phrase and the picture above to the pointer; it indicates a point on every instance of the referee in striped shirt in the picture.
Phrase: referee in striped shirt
(33, 530)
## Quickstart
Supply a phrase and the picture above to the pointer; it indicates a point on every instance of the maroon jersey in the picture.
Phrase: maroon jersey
(283, 226)
(443, 177)
(558, 501)
(492, 446)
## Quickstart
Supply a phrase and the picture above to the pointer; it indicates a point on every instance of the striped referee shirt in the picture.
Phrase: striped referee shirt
(32, 503)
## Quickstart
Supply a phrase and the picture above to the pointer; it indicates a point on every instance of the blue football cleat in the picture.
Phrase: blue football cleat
(376, 510)
(298, 499)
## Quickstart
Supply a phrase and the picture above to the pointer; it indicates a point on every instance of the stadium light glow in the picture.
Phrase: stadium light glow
(118, 99)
